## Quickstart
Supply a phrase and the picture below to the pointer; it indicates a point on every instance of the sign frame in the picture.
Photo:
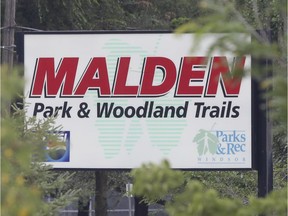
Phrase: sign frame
(254, 110)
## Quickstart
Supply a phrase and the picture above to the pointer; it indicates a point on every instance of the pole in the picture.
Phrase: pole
(8, 34)
(129, 205)
(101, 193)
(7, 47)
(264, 138)
(265, 161)
(129, 196)
(264, 129)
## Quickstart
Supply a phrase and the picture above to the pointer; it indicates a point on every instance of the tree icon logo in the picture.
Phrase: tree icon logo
(206, 142)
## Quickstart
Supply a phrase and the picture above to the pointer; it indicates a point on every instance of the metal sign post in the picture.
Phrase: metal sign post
(263, 130)
(129, 196)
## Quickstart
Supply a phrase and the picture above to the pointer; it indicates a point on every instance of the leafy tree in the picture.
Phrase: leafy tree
(252, 17)
(232, 184)
(266, 22)
(56, 15)
(14, 163)
(109, 16)
(105, 15)
(157, 15)
(156, 182)
(25, 181)
(87, 181)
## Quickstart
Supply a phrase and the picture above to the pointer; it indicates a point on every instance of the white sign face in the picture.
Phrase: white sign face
(124, 99)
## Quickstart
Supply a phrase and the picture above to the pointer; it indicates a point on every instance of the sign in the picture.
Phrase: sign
(124, 99)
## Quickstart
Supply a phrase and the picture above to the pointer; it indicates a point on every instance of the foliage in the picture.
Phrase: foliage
(57, 193)
(254, 18)
(196, 200)
(56, 15)
(200, 17)
(117, 180)
(154, 182)
(15, 154)
(145, 178)
(231, 184)
(25, 181)
(84, 180)
(105, 14)
(268, 42)
(266, 22)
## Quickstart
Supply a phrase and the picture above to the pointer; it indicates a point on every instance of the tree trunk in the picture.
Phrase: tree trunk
(101, 193)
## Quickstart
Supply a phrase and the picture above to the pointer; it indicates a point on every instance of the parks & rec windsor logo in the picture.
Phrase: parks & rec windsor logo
(220, 146)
